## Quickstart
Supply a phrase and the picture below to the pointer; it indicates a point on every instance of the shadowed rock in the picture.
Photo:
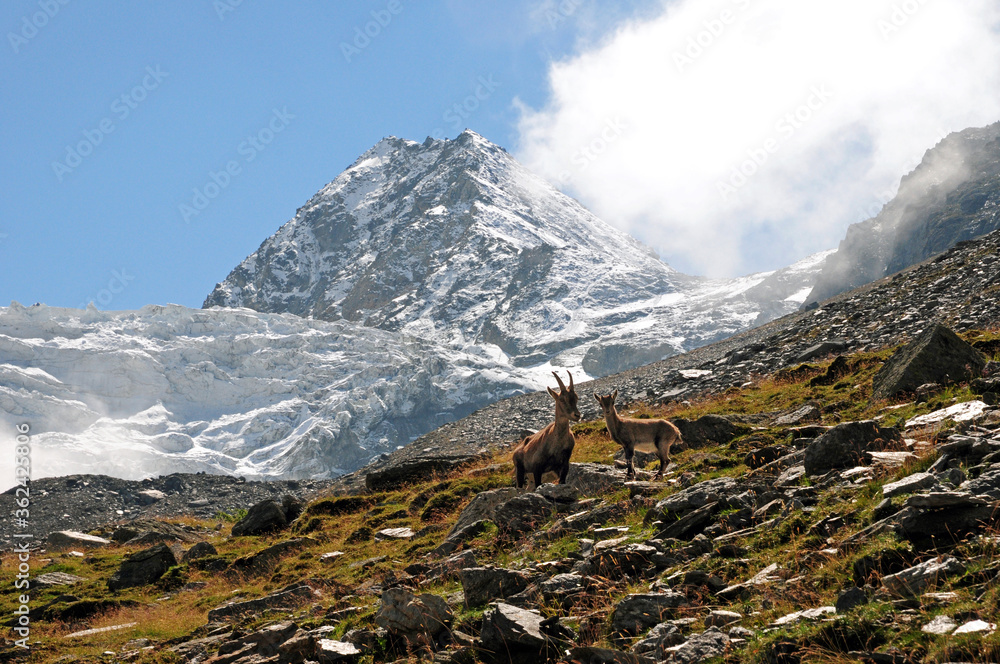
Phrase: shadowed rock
(938, 355)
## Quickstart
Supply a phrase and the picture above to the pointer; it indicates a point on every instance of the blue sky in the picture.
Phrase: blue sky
(197, 81)
(114, 114)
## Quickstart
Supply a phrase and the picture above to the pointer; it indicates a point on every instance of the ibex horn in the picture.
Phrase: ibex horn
(570, 381)
(559, 380)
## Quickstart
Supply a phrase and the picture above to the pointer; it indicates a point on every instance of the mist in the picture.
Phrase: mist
(737, 136)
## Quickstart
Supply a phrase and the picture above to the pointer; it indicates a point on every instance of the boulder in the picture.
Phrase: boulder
(700, 647)
(265, 559)
(485, 584)
(807, 413)
(403, 471)
(143, 567)
(937, 355)
(850, 598)
(760, 457)
(151, 531)
(632, 560)
(709, 430)
(150, 496)
(913, 581)
(418, 619)
(523, 513)
(909, 484)
(845, 445)
(821, 349)
(264, 517)
(510, 634)
(695, 496)
(657, 643)
(637, 613)
(483, 507)
(720, 618)
(71, 539)
(199, 550)
(329, 651)
(595, 479)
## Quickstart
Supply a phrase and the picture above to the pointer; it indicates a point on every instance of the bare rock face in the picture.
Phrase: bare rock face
(844, 446)
(938, 355)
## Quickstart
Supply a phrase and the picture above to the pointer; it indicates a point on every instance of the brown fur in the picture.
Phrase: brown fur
(550, 448)
(629, 433)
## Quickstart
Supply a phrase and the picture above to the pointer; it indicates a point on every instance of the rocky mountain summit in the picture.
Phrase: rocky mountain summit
(453, 240)
(952, 196)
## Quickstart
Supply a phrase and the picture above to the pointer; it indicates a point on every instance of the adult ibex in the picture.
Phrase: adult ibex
(644, 435)
(550, 448)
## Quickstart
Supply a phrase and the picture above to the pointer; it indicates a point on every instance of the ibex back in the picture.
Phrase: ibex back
(550, 448)
(631, 433)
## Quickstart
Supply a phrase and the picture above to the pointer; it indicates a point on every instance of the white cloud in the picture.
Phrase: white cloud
(646, 127)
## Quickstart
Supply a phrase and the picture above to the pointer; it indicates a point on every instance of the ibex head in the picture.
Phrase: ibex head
(566, 399)
(607, 402)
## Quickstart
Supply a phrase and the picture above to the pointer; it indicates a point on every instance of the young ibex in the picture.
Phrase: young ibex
(644, 435)
(550, 448)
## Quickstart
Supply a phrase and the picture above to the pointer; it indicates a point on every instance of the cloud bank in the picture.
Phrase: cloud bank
(741, 135)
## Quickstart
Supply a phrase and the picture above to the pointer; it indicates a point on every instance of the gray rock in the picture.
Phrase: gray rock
(264, 560)
(150, 496)
(760, 457)
(850, 598)
(595, 479)
(938, 355)
(523, 513)
(483, 507)
(510, 634)
(943, 499)
(940, 625)
(418, 619)
(913, 581)
(330, 651)
(143, 567)
(637, 613)
(844, 446)
(485, 584)
(807, 413)
(910, 484)
(50, 579)
(710, 643)
(693, 497)
(199, 550)
(708, 430)
(264, 517)
(286, 598)
(658, 640)
(71, 539)
(558, 493)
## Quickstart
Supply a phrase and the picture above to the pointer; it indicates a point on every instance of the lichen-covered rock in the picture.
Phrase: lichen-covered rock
(419, 619)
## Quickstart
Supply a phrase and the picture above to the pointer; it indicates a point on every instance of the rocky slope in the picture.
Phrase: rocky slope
(960, 287)
(794, 528)
(952, 196)
(453, 240)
